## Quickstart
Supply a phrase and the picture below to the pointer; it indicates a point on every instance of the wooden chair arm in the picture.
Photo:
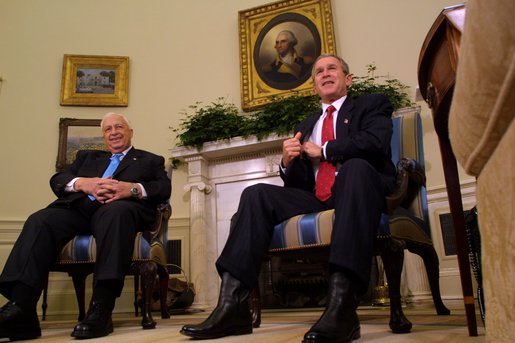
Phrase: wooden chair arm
(410, 177)
(157, 231)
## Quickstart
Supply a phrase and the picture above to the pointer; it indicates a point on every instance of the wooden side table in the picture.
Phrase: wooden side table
(436, 77)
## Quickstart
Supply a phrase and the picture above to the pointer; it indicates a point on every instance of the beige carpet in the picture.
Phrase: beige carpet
(284, 326)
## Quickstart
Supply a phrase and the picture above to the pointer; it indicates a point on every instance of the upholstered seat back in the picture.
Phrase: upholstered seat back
(407, 142)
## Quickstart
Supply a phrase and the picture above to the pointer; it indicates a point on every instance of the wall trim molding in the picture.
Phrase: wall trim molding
(439, 193)
(438, 204)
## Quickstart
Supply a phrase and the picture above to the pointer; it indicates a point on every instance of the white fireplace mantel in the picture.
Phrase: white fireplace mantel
(217, 174)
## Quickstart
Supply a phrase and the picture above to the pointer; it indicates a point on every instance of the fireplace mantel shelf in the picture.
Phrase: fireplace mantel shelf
(233, 147)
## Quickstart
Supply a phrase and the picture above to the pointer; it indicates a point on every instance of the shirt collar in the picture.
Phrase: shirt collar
(337, 104)
(124, 152)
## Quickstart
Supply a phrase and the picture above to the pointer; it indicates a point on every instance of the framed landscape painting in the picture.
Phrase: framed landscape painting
(75, 135)
(90, 80)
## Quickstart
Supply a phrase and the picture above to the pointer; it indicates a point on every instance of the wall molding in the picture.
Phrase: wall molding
(438, 204)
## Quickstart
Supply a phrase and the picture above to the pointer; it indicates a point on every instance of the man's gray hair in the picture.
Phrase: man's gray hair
(293, 40)
(115, 114)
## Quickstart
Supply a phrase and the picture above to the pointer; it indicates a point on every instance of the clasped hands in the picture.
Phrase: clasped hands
(293, 148)
(105, 190)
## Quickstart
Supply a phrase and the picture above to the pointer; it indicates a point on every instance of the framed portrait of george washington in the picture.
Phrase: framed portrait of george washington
(278, 44)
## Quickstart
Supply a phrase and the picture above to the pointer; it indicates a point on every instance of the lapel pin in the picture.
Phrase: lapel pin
(346, 121)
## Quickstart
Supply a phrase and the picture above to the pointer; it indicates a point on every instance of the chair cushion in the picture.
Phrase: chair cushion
(313, 229)
(82, 249)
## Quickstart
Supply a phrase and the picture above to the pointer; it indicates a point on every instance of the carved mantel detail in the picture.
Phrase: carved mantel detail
(216, 175)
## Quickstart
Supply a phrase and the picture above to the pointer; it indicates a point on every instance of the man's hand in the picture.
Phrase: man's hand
(312, 150)
(105, 190)
(291, 149)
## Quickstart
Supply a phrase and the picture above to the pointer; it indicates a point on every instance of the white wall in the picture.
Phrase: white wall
(180, 52)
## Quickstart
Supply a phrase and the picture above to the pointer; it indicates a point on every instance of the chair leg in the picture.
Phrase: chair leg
(392, 255)
(136, 290)
(148, 272)
(430, 258)
(255, 307)
(79, 283)
(44, 304)
(163, 290)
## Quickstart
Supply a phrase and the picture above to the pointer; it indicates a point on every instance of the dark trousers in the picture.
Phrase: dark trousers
(46, 231)
(358, 199)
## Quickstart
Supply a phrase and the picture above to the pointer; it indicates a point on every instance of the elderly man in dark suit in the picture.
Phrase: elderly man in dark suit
(110, 194)
(339, 158)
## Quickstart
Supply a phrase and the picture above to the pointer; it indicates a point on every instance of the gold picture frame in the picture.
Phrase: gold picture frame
(311, 23)
(90, 80)
(75, 135)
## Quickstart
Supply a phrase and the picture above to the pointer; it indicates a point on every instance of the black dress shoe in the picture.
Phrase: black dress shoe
(98, 322)
(230, 317)
(339, 323)
(16, 324)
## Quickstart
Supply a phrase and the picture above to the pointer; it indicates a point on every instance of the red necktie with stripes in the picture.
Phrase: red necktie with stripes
(326, 170)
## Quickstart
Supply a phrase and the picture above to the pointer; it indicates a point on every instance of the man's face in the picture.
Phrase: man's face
(330, 81)
(282, 44)
(117, 134)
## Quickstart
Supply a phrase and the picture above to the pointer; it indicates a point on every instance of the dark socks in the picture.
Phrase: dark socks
(25, 297)
(106, 291)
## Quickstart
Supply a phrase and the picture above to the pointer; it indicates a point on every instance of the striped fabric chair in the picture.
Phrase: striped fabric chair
(405, 226)
(148, 261)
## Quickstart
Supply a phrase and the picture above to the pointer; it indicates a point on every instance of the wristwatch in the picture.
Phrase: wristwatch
(135, 191)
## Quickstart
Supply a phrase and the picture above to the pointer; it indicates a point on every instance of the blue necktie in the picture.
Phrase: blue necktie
(115, 162)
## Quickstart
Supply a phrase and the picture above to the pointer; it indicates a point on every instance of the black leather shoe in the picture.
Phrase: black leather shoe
(230, 317)
(98, 322)
(15, 324)
(339, 323)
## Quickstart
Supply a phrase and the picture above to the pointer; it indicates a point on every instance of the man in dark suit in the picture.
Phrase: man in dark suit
(111, 195)
(339, 158)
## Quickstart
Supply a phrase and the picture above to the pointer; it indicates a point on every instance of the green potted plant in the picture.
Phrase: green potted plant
(221, 120)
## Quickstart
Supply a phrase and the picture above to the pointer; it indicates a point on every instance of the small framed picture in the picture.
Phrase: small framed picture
(89, 80)
(75, 135)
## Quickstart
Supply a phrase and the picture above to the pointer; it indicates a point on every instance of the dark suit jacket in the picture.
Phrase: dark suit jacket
(363, 130)
(137, 166)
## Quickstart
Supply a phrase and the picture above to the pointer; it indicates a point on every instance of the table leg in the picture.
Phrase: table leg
(450, 168)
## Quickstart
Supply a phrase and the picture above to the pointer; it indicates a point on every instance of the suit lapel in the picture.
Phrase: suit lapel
(344, 118)
(131, 157)
(104, 158)
(310, 122)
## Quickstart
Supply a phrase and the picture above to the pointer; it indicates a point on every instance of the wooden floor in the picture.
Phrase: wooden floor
(286, 326)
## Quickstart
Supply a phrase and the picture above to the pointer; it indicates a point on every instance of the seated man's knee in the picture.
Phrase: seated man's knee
(356, 169)
(356, 166)
(256, 190)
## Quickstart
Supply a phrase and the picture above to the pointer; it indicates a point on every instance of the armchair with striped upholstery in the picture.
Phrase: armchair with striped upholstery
(77, 258)
(405, 226)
